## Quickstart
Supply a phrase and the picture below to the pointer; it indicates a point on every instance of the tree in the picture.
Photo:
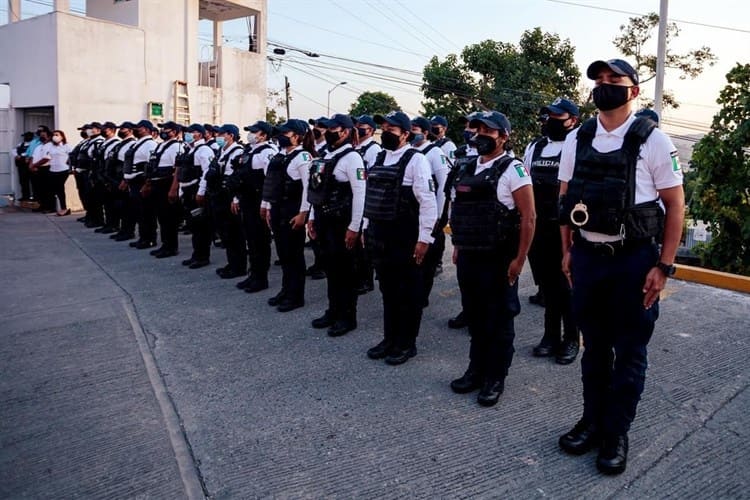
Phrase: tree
(373, 103)
(632, 42)
(515, 79)
(721, 195)
(274, 101)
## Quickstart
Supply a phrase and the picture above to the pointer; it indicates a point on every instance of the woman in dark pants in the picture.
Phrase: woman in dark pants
(285, 208)
(58, 171)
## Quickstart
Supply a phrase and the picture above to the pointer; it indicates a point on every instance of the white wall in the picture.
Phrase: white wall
(118, 12)
(243, 81)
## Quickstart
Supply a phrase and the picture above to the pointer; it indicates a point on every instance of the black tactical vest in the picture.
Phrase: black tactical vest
(73, 155)
(478, 220)
(113, 166)
(441, 142)
(245, 179)
(85, 161)
(329, 196)
(185, 161)
(543, 172)
(605, 184)
(129, 166)
(153, 170)
(216, 181)
(99, 165)
(386, 199)
(278, 186)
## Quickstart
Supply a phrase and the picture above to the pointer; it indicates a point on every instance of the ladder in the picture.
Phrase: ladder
(181, 103)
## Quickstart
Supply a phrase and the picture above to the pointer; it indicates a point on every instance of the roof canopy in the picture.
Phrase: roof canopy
(224, 10)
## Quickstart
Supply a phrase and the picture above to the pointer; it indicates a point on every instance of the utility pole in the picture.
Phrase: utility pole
(661, 53)
(286, 93)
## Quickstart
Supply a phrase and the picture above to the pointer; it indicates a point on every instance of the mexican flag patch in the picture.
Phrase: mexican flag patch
(361, 174)
(306, 156)
(521, 171)
(675, 162)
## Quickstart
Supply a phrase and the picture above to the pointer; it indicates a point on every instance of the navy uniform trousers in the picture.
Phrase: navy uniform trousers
(616, 328)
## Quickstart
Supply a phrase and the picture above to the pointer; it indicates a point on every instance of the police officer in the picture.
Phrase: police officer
(251, 174)
(492, 223)
(621, 189)
(136, 158)
(401, 210)
(285, 208)
(542, 161)
(227, 221)
(162, 188)
(101, 187)
(23, 167)
(439, 128)
(369, 149)
(336, 191)
(211, 134)
(463, 155)
(193, 167)
(87, 164)
(439, 166)
(117, 188)
(317, 271)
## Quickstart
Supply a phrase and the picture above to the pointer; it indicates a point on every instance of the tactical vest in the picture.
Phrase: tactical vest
(113, 166)
(441, 142)
(153, 170)
(386, 199)
(543, 172)
(278, 187)
(189, 171)
(246, 179)
(605, 184)
(129, 166)
(73, 155)
(478, 220)
(85, 161)
(99, 165)
(363, 151)
(216, 174)
(328, 195)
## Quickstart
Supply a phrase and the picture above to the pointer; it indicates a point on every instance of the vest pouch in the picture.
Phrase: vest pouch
(644, 221)
(317, 184)
(233, 183)
(605, 201)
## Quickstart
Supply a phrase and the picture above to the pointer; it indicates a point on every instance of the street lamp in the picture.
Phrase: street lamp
(329, 96)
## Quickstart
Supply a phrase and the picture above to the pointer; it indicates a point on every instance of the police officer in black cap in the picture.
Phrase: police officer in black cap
(492, 223)
(87, 165)
(317, 270)
(462, 156)
(542, 160)
(248, 180)
(285, 208)
(621, 195)
(226, 218)
(162, 187)
(134, 168)
(211, 134)
(80, 172)
(117, 189)
(369, 149)
(336, 191)
(101, 190)
(193, 167)
(439, 128)
(401, 211)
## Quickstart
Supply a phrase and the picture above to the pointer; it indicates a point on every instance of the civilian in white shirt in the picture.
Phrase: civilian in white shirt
(39, 167)
(59, 151)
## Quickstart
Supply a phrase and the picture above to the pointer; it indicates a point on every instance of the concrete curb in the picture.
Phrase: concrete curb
(713, 278)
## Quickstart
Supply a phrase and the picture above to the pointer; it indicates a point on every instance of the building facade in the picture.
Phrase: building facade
(127, 60)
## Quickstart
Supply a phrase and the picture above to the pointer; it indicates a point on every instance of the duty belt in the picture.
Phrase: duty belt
(610, 248)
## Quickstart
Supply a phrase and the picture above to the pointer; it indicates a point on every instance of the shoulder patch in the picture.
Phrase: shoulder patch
(431, 184)
(443, 160)
(521, 170)
(306, 156)
(675, 161)
(360, 174)
(452, 154)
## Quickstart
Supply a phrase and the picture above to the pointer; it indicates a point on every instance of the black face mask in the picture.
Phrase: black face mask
(121, 134)
(469, 137)
(435, 131)
(555, 129)
(485, 144)
(164, 136)
(390, 141)
(317, 134)
(608, 96)
(362, 132)
(284, 141)
(332, 137)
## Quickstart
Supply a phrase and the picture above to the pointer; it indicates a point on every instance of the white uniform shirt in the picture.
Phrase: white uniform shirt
(514, 177)
(351, 169)
(418, 175)
(142, 153)
(448, 148)
(202, 158)
(93, 145)
(439, 168)
(41, 151)
(657, 167)
(127, 144)
(372, 151)
(58, 157)
(109, 145)
(169, 150)
(262, 159)
(551, 149)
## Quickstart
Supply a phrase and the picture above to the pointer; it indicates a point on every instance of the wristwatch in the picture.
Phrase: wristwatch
(667, 269)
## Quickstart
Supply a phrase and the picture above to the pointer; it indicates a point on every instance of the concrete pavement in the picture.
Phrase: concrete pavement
(126, 376)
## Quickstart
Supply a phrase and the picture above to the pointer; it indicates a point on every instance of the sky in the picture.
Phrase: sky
(406, 34)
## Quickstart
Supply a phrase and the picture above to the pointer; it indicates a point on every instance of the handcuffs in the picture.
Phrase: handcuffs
(581, 208)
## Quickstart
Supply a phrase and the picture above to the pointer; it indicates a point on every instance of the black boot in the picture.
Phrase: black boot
(613, 455)
(581, 438)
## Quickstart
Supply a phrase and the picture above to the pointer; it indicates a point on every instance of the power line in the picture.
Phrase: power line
(408, 25)
(607, 9)
(417, 16)
(359, 18)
